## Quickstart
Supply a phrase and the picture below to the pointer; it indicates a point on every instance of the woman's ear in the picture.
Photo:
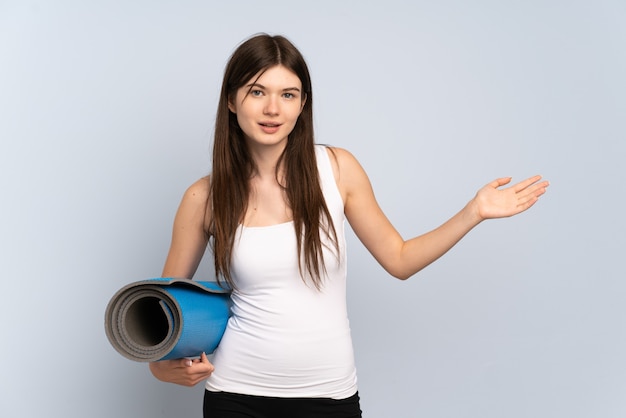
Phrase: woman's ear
(231, 105)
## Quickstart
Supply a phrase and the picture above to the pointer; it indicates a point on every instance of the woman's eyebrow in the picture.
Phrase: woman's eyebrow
(261, 86)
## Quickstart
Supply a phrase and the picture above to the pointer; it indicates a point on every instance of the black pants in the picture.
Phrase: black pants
(233, 405)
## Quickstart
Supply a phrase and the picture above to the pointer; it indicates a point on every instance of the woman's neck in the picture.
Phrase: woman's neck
(265, 161)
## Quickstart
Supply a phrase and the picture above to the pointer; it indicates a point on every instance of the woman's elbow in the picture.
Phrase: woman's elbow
(400, 273)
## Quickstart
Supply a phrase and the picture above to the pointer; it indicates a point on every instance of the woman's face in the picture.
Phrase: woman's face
(267, 107)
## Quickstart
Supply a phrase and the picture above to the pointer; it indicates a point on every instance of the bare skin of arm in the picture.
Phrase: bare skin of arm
(189, 242)
(403, 258)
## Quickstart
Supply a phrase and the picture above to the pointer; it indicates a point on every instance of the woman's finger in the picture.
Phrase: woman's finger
(526, 183)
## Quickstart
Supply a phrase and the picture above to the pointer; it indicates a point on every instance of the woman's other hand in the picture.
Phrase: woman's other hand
(186, 372)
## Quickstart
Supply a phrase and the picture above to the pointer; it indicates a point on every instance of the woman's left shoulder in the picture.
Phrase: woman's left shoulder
(348, 172)
(339, 155)
(343, 160)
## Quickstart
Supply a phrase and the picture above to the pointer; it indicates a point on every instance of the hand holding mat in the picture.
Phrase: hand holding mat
(162, 319)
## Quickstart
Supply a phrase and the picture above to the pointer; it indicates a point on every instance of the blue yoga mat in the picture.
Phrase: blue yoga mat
(161, 319)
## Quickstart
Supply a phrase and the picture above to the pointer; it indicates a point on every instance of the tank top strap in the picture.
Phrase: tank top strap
(333, 198)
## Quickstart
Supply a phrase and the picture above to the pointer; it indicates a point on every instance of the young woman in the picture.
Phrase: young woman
(273, 210)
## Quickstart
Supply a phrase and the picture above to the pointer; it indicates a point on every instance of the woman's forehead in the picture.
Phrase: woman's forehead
(277, 75)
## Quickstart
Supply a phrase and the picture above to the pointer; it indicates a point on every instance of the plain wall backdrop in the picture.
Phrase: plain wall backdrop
(106, 115)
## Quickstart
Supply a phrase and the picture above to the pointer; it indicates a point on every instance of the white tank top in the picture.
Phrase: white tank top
(285, 338)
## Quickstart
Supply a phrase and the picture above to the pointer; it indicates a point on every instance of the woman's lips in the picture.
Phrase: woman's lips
(269, 127)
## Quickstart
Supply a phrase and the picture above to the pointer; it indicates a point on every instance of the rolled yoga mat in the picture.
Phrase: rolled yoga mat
(160, 319)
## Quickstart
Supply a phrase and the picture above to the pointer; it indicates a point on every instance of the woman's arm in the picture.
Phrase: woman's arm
(189, 241)
(189, 237)
(403, 258)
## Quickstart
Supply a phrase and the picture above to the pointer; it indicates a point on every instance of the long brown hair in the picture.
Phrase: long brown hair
(233, 166)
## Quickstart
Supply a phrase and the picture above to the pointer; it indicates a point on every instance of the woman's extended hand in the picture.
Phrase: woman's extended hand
(493, 202)
(184, 372)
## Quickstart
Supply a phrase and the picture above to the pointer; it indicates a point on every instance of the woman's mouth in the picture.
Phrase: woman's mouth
(269, 127)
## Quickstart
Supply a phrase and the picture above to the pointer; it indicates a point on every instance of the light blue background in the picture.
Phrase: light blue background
(106, 114)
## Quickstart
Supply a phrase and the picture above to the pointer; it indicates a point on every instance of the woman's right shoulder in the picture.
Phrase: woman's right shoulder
(194, 206)
(199, 190)
(197, 195)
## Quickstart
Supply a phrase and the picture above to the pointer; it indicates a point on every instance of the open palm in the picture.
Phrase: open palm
(494, 202)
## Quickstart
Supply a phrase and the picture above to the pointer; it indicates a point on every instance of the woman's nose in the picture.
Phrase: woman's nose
(271, 106)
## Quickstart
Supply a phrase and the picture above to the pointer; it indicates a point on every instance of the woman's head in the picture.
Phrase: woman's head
(250, 60)
(269, 107)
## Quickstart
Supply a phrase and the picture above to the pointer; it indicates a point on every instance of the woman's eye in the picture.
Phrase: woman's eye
(288, 95)
(256, 93)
